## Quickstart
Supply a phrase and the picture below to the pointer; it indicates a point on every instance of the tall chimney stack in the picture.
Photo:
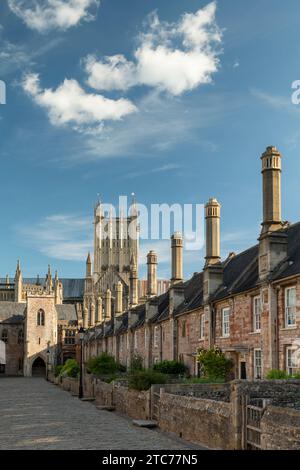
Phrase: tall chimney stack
(152, 273)
(108, 305)
(177, 248)
(119, 298)
(271, 171)
(272, 240)
(133, 281)
(212, 216)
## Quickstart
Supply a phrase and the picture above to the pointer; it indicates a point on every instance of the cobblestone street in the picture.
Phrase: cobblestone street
(35, 414)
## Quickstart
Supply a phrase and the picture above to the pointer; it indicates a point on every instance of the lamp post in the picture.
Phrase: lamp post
(81, 337)
(47, 368)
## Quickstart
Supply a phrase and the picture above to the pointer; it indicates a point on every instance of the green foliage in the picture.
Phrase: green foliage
(276, 374)
(143, 379)
(70, 368)
(214, 363)
(58, 370)
(170, 367)
(136, 363)
(104, 364)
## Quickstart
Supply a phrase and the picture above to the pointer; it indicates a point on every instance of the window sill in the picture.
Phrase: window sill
(258, 332)
(224, 337)
(201, 339)
(288, 328)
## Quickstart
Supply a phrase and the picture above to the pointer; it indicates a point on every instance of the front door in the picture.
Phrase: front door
(243, 373)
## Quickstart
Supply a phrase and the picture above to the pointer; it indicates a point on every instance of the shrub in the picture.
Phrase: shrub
(142, 380)
(296, 376)
(170, 367)
(58, 370)
(103, 364)
(214, 363)
(274, 374)
(136, 363)
(70, 368)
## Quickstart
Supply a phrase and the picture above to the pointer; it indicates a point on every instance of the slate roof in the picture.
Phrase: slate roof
(66, 312)
(72, 288)
(12, 312)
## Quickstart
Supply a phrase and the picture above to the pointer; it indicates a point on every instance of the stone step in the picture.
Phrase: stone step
(88, 399)
(105, 407)
(144, 423)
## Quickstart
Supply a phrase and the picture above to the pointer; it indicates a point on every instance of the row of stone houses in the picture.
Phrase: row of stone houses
(247, 304)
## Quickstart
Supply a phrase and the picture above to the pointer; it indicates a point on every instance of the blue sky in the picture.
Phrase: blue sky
(168, 140)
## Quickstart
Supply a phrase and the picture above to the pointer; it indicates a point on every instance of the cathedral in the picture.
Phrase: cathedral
(39, 318)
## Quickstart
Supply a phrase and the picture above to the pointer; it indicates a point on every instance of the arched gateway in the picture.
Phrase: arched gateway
(38, 367)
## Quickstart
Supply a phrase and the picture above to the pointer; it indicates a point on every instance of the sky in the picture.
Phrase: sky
(174, 101)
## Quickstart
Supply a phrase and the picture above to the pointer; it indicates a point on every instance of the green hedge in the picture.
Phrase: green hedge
(276, 374)
(105, 364)
(170, 367)
(143, 379)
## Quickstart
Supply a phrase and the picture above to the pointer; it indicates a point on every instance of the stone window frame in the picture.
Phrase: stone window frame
(4, 335)
(256, 316)
(290, 313)
(202, 326)
(21, 336)
(183, 329)
(40, 317)
(156, 336)
(225, 324)
(291, 368)
(135, 340)
(257, 367)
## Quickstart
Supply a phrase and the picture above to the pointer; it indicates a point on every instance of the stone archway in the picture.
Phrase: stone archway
(38, 367)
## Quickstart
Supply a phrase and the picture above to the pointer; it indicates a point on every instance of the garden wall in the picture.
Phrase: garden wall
(199, 420)
(280, 429)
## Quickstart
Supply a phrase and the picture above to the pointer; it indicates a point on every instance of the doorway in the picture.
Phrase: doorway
(39, 368)
(243, 370)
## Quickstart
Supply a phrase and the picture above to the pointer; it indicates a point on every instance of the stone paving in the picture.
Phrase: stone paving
(35, 414)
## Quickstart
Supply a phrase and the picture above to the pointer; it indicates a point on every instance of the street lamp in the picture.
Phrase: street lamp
(47, 369)
(81, 337)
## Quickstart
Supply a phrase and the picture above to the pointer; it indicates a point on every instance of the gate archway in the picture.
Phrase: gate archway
(38, 367)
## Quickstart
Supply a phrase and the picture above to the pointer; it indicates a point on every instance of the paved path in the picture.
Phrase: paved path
(35, 414)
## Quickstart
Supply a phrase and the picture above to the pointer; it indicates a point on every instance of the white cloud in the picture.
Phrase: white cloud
(44, 15)
(60, 236)
(172, 57)
(161, 169)
(70, 104)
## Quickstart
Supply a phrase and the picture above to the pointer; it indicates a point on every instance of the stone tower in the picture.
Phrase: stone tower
(116, 244)
(40, 331)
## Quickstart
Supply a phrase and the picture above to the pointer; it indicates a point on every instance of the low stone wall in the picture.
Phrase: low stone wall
(280, 429)
(220, 392)
(70, 384)
(133, 403)
(89, 385)
(198, 420)
(103, 393)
